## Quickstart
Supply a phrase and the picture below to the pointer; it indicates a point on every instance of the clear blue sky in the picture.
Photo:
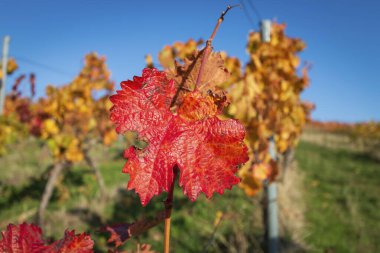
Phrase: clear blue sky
(342, 37)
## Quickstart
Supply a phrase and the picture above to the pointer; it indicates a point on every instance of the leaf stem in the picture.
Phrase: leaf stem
(207, 49)
(168, 211)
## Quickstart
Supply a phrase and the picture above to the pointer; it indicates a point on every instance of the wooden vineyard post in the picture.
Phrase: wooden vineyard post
(265, 28)
(272, 209)
(4, 72)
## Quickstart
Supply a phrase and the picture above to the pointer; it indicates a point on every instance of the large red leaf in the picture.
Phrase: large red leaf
(206, 150)
(27, 238)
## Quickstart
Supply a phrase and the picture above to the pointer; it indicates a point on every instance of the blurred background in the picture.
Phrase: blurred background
(310, 91)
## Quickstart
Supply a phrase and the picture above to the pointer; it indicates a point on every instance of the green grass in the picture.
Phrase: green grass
(342, 198)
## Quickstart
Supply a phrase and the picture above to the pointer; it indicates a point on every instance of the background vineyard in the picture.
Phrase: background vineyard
(61, 158)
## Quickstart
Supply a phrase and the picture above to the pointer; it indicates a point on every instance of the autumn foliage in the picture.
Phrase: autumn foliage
(77, 115)
(27, 238)
(70, 118)
(17, 119)
(12, 66)
(266, 99)
(264, 96)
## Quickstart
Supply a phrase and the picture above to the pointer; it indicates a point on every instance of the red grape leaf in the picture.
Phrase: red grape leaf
(23, 238)
(119, 233)
(27, 238)
(206, 150)
(72, 243)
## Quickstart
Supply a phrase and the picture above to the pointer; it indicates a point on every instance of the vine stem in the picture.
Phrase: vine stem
(168, 211)
(208, 47)
(54, 173)
(99, 178)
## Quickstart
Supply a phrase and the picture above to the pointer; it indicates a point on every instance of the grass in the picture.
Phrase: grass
(342, 198)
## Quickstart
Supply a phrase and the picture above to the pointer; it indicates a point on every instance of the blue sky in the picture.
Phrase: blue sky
(342, 37)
